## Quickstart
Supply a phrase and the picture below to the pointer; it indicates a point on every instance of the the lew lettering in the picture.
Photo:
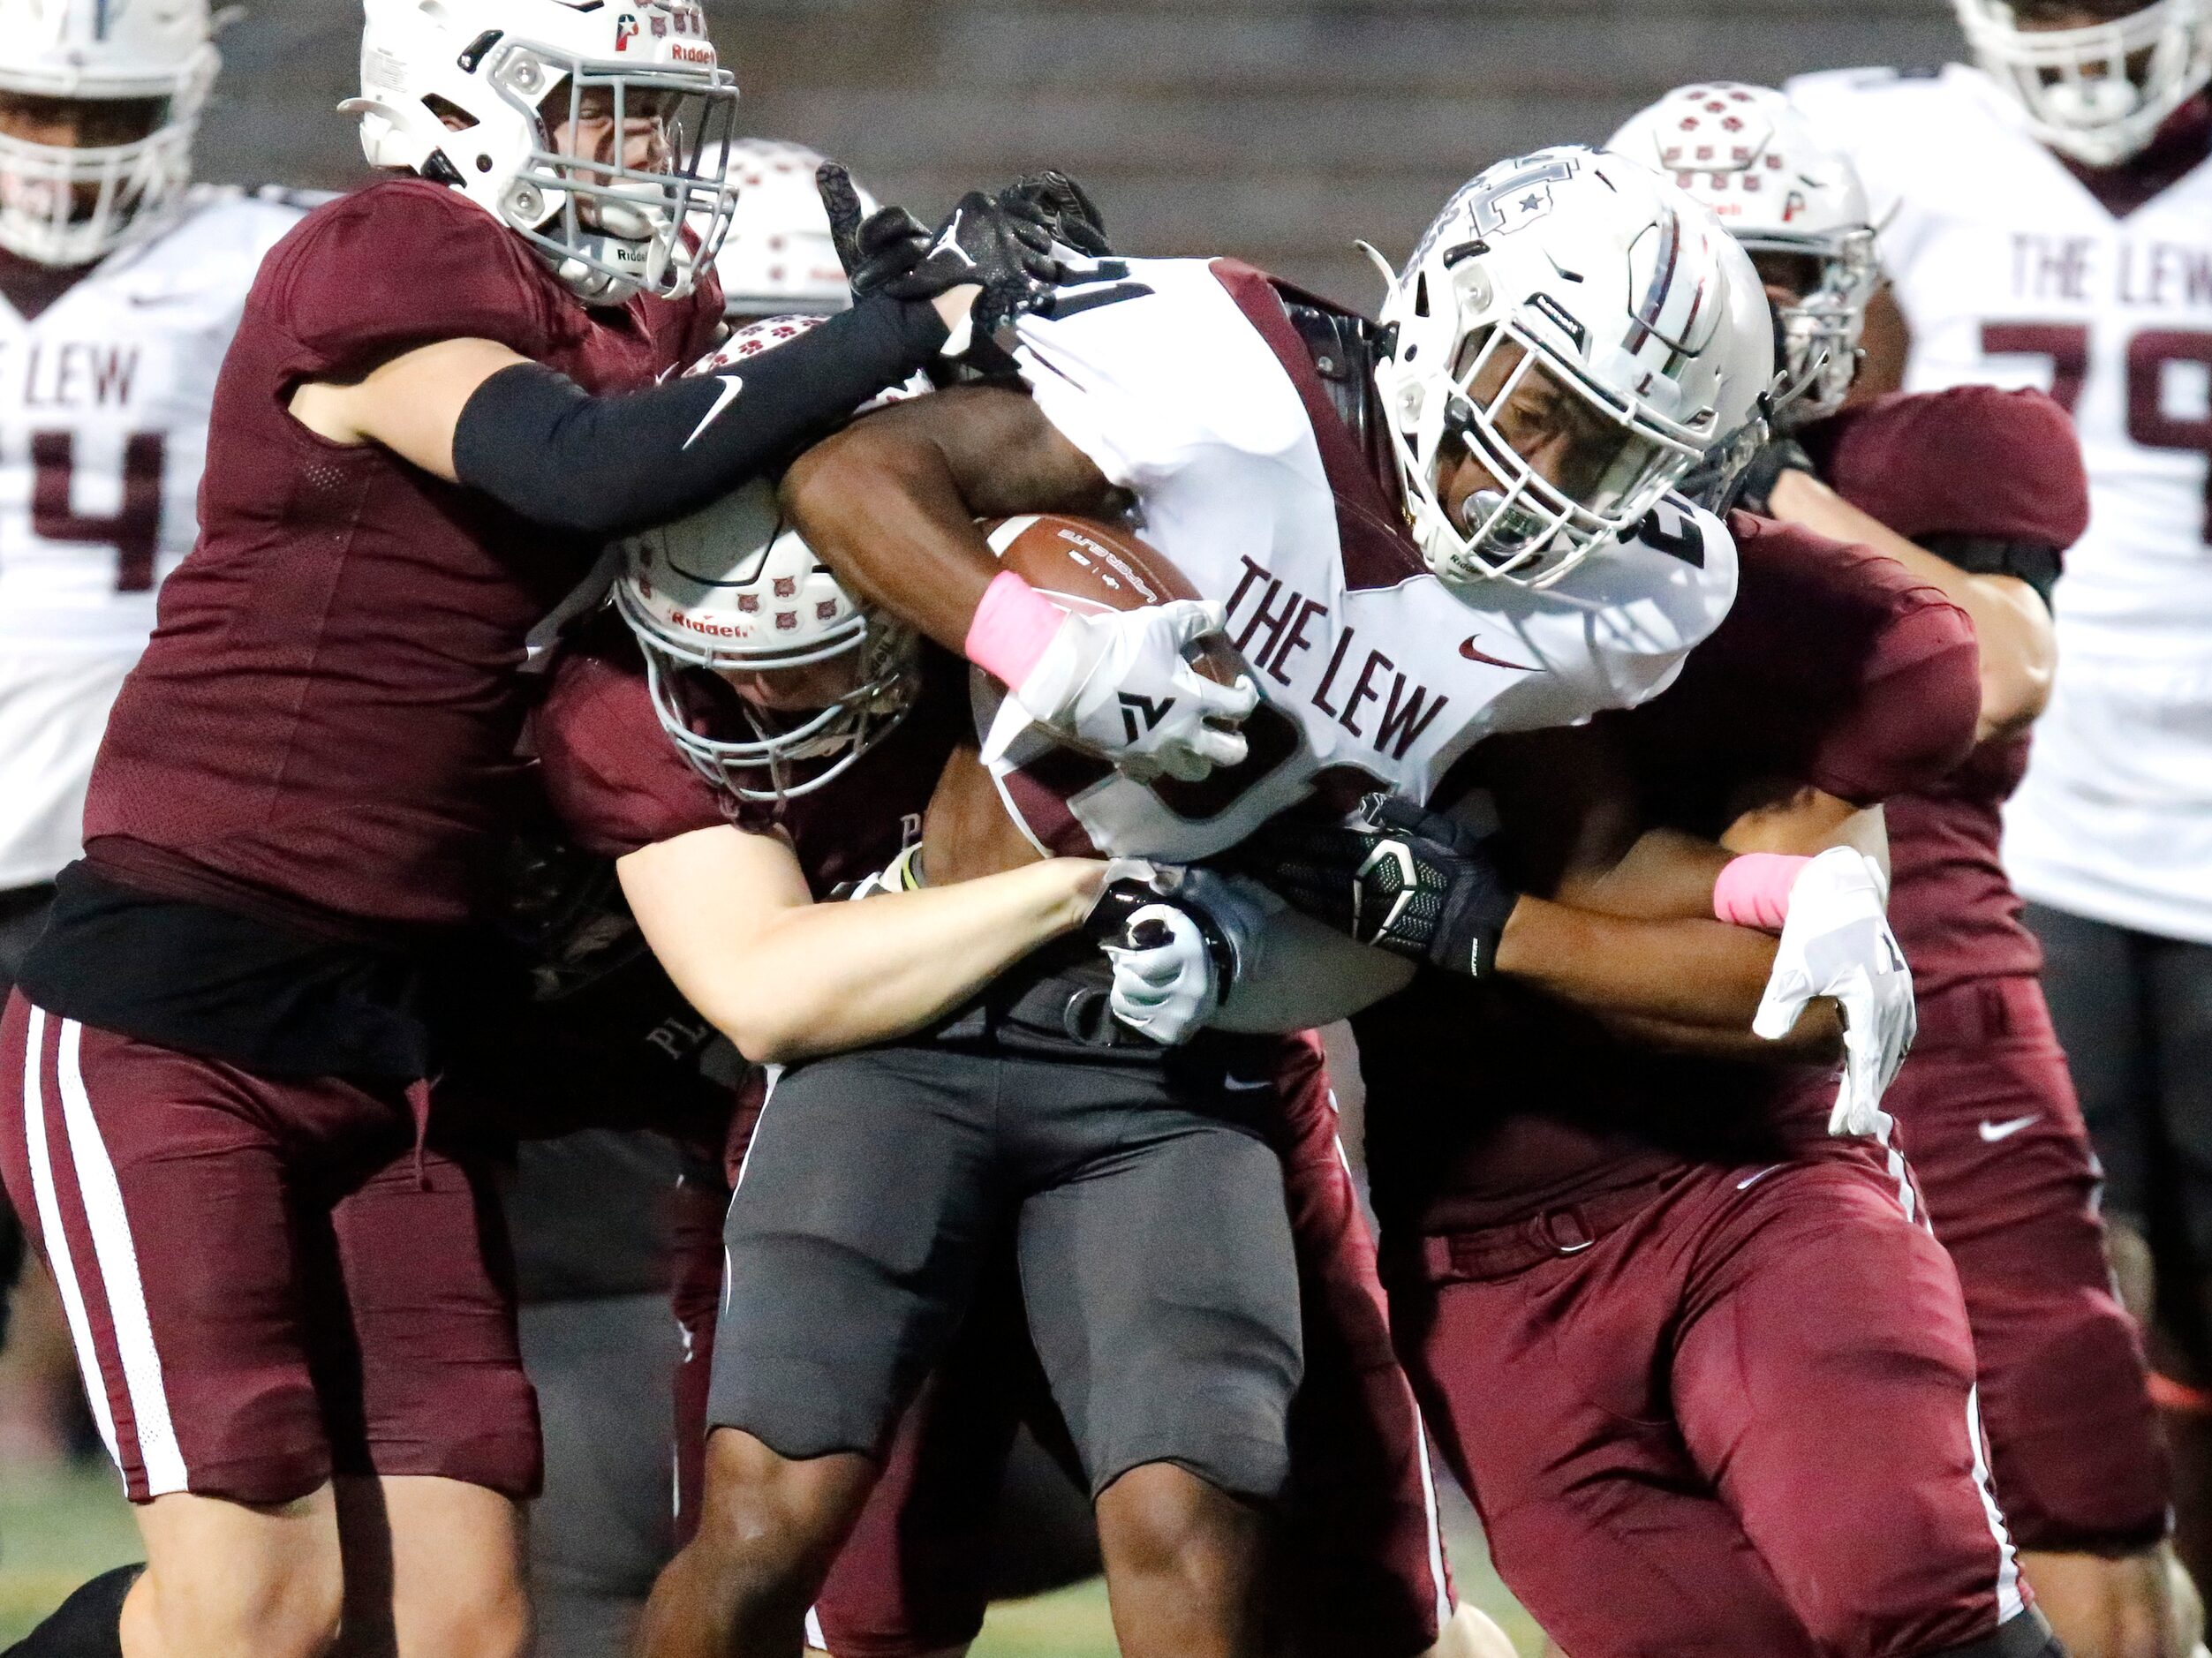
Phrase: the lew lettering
(1274, 626)
(77, 374)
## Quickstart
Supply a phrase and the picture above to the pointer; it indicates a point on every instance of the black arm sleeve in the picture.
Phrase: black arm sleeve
(535, 440)
(2032, 562)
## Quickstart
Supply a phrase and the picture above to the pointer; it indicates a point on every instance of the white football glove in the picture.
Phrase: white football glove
(1165, 984)
(1117, 682)
(1837, 942)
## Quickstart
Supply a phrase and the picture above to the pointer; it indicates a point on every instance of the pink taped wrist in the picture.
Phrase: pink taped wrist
(1753, 890)
(1011, 628)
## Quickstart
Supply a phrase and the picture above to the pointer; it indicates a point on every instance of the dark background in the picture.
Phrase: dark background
(1276, 129)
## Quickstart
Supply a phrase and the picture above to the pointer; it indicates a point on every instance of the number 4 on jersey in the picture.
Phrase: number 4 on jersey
(133, 530)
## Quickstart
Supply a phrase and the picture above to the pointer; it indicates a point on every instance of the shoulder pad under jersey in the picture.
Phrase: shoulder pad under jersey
(292, 196)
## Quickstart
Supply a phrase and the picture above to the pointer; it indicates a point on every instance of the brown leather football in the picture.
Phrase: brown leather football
(1087, 563)
(1084, 564)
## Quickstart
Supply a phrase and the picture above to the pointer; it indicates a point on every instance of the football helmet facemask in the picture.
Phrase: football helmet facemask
(476, 94)
(1792, 203)
(68, 205)
(733, 589)
(1573, 333)
(2097, 92)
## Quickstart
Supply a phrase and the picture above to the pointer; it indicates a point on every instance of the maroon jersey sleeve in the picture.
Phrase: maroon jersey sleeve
(1918, 705)
(398, 264)
(1970, 461)
(1836, 667)
(617, 782)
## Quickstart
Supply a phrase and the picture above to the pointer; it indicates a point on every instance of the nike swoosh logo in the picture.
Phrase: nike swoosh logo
(1757, 1175)
(732, 384)
(1468, 650)
(947, 241)
(1995, 1132)
(140, 301)
(1246, 1085)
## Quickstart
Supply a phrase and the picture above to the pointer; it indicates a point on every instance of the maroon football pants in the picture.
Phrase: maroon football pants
(1728, 1411)
(265, 1285)
(1986, 1111)
(1362, 1569)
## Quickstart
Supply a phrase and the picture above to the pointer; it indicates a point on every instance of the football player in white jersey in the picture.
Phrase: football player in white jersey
(122, 283)
(1990, 485)
(1548, 577)
(2046, 217)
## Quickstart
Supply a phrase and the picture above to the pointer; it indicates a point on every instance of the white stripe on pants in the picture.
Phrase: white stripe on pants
(115, 1258)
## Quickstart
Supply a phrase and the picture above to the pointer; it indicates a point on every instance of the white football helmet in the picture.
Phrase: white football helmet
(1796, 207)
(470, 92)
(62, 206)
(734, 588)
(1573, 304)
(2076, 84)
(778, 257)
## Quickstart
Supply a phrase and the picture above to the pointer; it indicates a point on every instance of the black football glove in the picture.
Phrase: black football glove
(1755, 484)
(1061, 207)
(1008, 256)
(1393, 876)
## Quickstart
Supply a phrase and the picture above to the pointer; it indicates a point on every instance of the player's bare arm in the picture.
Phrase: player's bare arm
(1667, 876)
(1887, 342)
(729, 915)
(891, 502)
(1619, 921)
(2011, 623)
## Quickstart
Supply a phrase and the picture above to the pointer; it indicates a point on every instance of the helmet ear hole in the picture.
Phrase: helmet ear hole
(455, 118)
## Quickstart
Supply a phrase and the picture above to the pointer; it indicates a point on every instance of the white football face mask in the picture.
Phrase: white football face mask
(67, 205)
(625, 188)
(2098, 92)
(1538, 467)
(801, 734)
(1832, 278)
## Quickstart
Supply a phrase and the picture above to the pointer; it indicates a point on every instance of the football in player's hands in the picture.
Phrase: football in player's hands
(1394, 877)
(1140, 675)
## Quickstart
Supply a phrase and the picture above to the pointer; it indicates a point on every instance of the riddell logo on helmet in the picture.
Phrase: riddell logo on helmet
(712, 629)
(684, 52)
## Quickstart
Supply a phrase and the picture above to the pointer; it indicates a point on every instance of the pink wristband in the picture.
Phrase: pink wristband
(1753, 890)
(1011, 628)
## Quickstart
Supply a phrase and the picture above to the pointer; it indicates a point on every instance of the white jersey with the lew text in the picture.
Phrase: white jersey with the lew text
(103, 432)
(2009, 271)
(1185, 382)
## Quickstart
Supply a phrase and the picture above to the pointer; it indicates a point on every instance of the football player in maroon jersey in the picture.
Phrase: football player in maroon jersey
(1988, 487)
(1618, 1246)
(1364, 1570)
(444, 391)
(1614, 1246)
(824, 779)
(2101, 105)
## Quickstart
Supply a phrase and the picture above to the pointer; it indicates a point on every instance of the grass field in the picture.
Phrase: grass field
(57, 1531)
